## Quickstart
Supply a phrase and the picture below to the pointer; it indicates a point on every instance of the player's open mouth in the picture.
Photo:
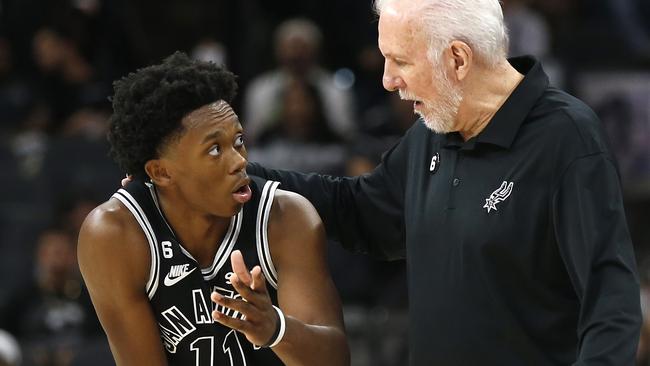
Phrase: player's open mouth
(243, 194)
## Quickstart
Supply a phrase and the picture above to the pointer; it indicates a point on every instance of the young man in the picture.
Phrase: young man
(156, 252)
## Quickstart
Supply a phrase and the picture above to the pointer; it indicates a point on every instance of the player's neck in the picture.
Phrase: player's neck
(198, 232)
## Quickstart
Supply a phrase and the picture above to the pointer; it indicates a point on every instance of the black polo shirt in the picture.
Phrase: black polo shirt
(516, 243)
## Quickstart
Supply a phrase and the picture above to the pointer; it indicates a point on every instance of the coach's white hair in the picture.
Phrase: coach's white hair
(479, 23)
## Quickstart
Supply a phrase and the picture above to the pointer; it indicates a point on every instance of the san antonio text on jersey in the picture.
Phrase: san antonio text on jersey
(179, 291)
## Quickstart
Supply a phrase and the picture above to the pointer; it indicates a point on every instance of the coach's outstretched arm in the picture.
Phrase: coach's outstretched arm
(364, 213)
(312, 331)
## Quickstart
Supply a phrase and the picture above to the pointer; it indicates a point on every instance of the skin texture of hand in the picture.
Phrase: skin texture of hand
(126, 180)
(259, 319)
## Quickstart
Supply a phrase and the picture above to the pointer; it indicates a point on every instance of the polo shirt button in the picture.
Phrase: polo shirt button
(456, 182)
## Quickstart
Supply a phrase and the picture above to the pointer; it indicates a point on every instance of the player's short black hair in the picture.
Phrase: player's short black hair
(149, 104)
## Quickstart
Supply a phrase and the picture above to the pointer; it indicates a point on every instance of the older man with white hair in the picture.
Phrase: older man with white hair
(505, 201)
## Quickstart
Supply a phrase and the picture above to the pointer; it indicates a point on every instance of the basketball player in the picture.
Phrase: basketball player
(156, 253)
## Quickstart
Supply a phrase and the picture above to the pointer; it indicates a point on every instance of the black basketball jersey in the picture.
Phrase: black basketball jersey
(179, 291)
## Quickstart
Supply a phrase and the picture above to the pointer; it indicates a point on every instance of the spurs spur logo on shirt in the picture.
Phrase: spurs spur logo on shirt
(499, 195)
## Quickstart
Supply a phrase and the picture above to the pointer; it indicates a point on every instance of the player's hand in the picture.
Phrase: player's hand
(127, 180)
(259, 320)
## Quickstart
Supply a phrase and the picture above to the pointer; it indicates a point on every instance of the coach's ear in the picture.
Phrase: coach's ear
(157, 172)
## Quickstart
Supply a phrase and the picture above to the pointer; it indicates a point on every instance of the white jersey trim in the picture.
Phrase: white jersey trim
(154, 197)
(226, 246)
(137, 212)
(261, 232)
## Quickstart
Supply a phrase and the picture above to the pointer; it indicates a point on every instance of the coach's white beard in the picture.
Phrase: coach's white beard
(440, 115)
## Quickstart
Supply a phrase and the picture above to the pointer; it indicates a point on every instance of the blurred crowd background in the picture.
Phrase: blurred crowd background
(310, 99)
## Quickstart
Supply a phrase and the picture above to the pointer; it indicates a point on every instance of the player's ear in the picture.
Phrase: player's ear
(157, 172)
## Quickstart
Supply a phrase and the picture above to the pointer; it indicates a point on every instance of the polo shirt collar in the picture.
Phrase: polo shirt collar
(503, 127)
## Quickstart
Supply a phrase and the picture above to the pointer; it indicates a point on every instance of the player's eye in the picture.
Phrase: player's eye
(214, 150)
(239, 141)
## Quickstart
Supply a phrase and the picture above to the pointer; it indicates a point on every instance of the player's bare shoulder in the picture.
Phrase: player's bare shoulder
(293, 211)
(110, 236)
(293, 220)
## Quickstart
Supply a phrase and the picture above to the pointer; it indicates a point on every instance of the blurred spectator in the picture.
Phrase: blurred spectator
(382, 126)
(54, 53)
(621, 101)
(14, 91)
(10, 354)
(29, 142)
(300, 137)
(632, 19)
(76, 161)
(297, 43)
(65, 79)
(528, 31)
(156, 28)
(529, 34)
(52, 316)
(209, 50)
(369, 92)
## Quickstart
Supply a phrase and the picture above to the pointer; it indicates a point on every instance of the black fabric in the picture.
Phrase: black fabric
(517, 248)
(178, 306)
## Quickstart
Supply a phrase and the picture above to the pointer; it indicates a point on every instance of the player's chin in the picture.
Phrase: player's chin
(224, 207)
(234, 208)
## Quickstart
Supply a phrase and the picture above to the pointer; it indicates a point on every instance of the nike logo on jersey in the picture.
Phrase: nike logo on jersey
(177, 273)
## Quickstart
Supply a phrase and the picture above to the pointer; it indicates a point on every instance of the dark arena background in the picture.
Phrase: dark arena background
(58, 59)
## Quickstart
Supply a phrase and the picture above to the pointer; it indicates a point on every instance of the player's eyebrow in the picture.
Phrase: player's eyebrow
(212, 135)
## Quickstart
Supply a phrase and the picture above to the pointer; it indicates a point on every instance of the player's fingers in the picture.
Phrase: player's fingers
(244, 290)
(259, 281)
(230, 322)
(239, 267)
(233, 305)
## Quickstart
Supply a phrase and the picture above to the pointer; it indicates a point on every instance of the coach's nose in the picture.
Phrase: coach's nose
(391, 80)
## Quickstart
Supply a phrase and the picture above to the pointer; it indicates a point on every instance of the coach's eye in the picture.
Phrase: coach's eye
(239, 141)
(214, 150)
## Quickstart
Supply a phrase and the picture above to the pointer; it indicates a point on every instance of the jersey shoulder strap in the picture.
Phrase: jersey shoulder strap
(264, 194)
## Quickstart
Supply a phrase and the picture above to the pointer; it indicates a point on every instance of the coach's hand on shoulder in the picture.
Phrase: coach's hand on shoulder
(254, 315)
(126, 180)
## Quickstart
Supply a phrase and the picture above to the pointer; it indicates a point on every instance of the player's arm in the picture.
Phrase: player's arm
(114, 260)
(314, 332)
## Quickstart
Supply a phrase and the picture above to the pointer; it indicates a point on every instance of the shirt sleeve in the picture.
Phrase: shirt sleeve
(364, 213)
(594, 242)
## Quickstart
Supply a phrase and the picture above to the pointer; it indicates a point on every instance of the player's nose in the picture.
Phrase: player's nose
(238, 162)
